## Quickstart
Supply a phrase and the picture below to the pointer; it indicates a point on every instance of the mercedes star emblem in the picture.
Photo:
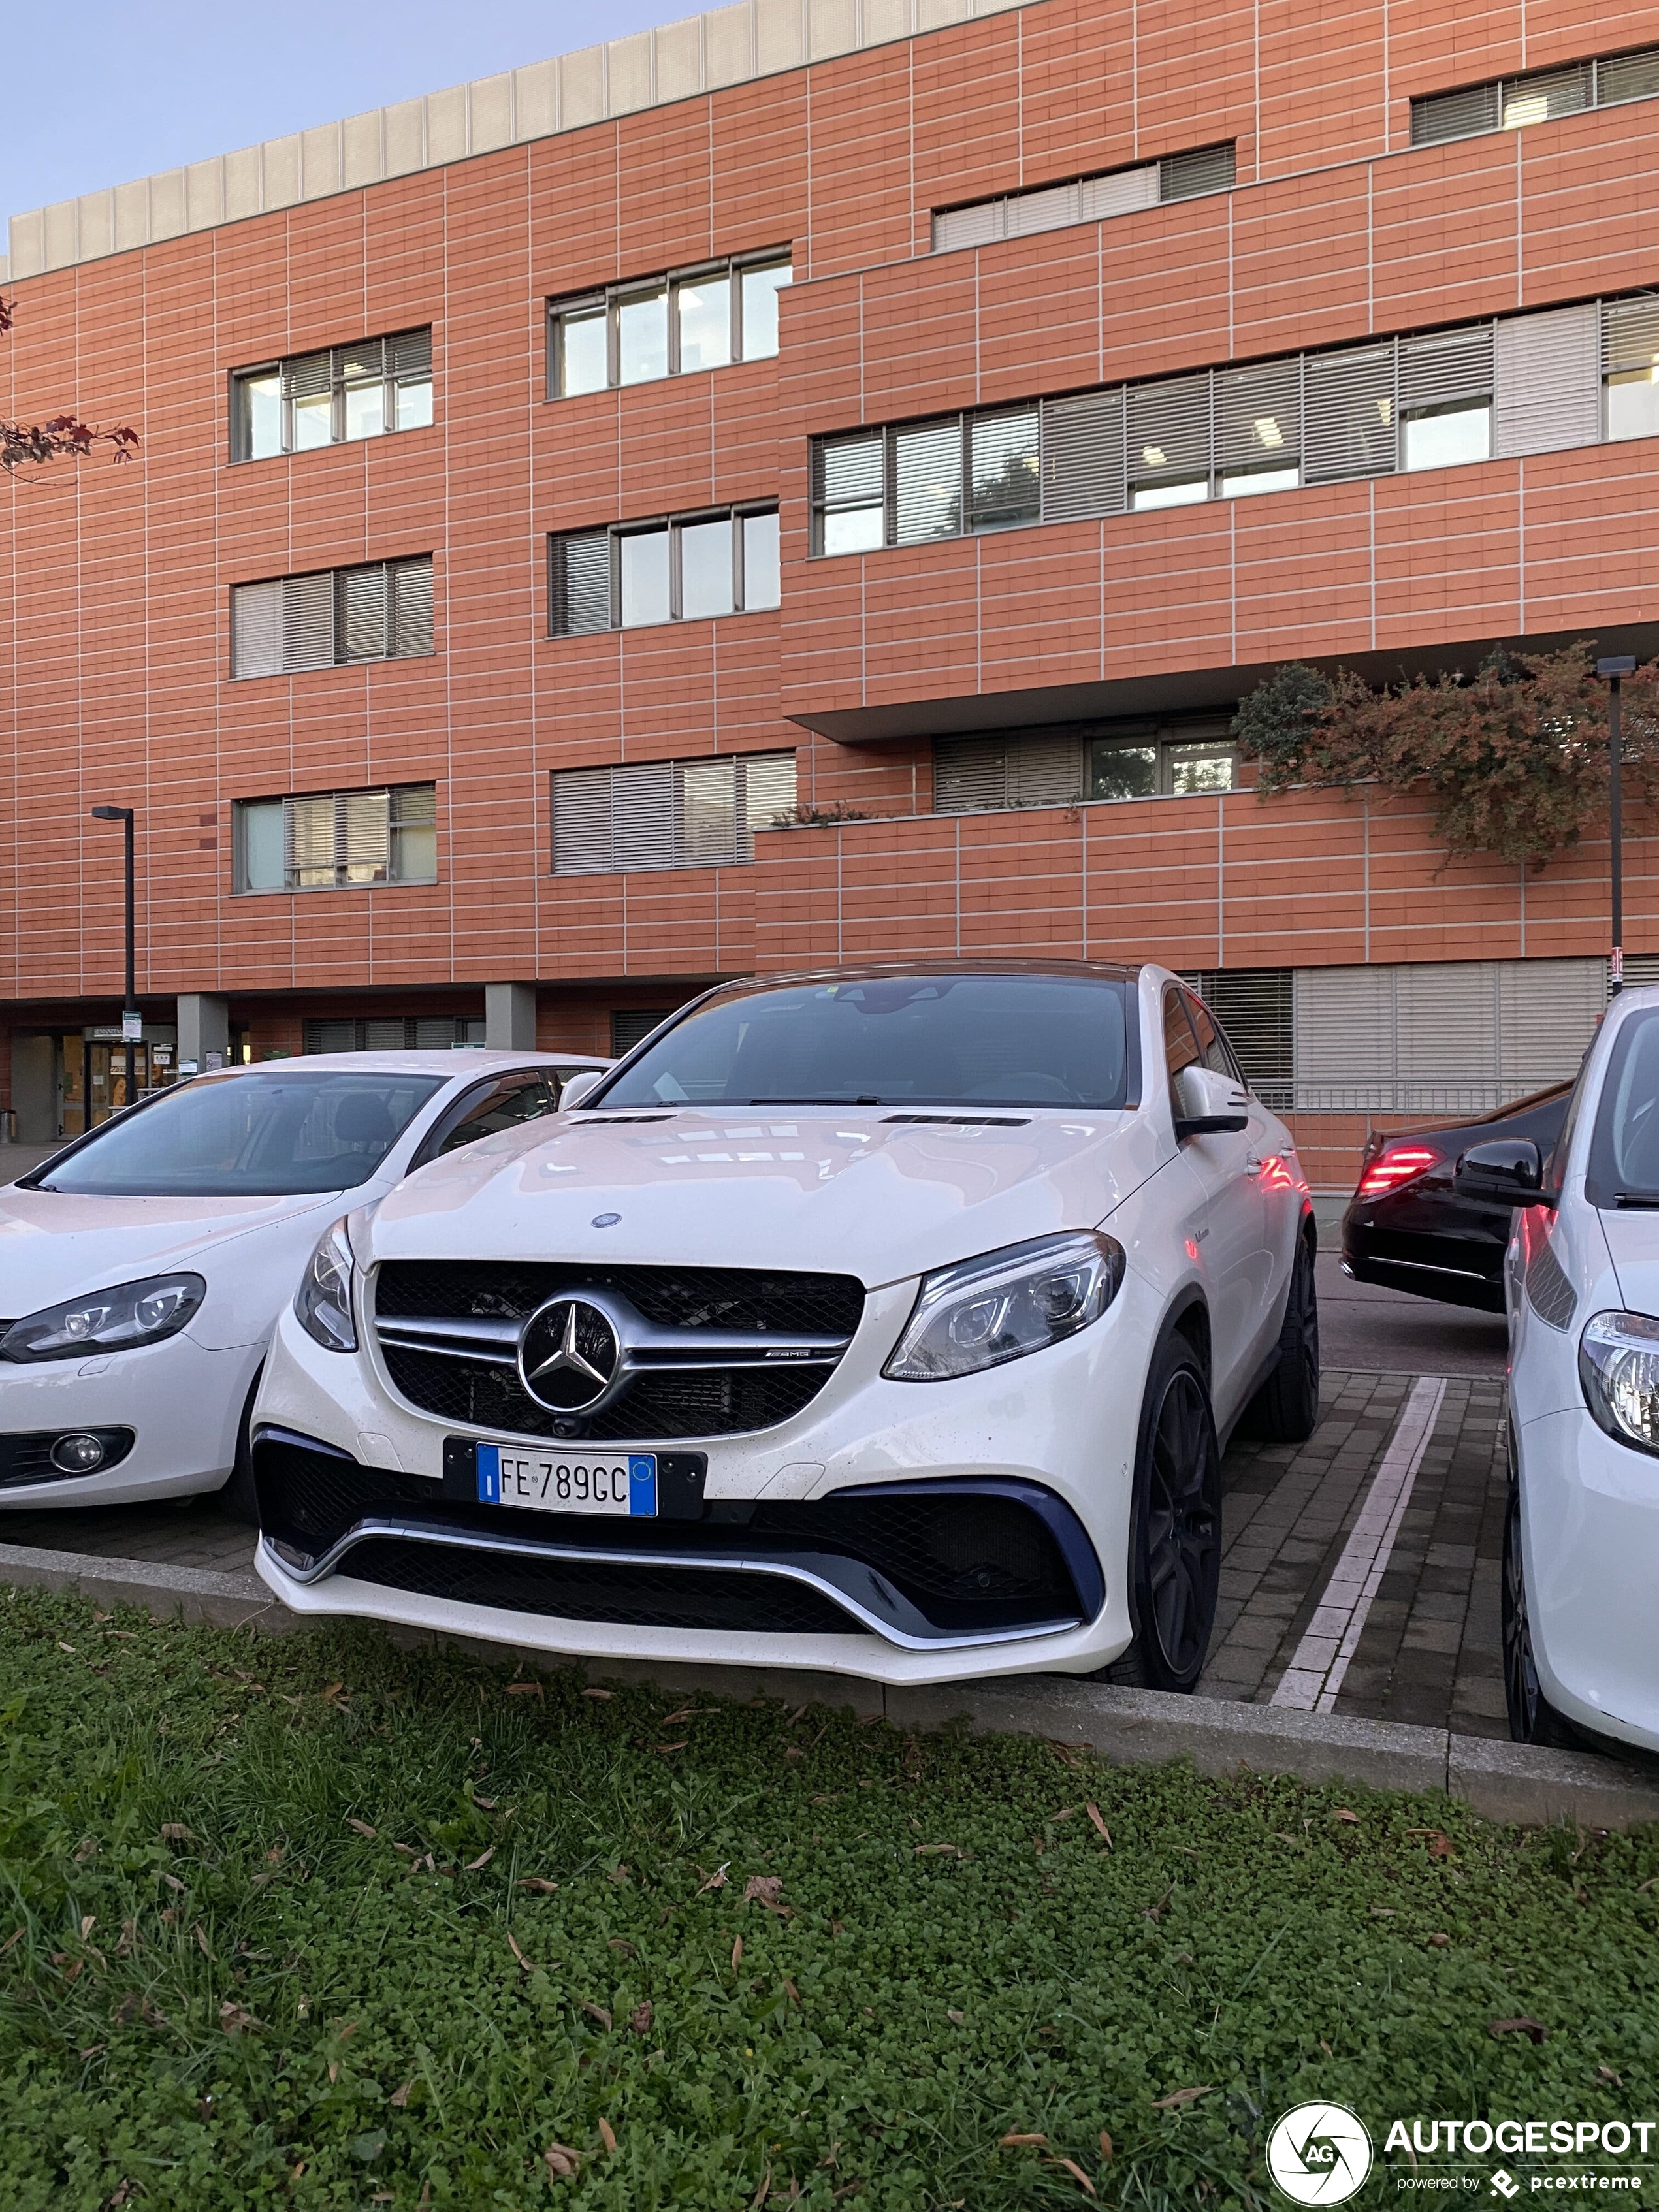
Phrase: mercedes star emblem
(568, 1355)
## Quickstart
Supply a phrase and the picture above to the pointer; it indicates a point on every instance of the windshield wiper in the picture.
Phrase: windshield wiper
(1636, 1200)
(868, 1099)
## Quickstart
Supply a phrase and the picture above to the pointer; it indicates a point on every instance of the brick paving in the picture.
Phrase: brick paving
(1428, 1651)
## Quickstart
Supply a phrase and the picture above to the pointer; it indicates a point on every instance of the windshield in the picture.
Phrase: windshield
(1624, 1161)
(892, 1040)
(249, 1136)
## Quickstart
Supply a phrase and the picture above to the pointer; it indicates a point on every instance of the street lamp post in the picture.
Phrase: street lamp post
(1620, 665)
(129, 1015)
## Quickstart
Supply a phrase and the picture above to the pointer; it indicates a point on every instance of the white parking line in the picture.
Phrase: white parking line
(1320, 1661)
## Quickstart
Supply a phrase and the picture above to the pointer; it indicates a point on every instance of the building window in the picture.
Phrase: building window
(682, 568)
(379, 612)
(668, 814)
(1255, 1008)
(631, 1025)
(328, 841)
(1521, 384)
(331, 398)
(691, 319)
(394, 1033)
(1086, 200)
(1511, 103)
(1067, 766)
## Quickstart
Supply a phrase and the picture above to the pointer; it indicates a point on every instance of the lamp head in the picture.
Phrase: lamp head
(112, 814)
(1621, 663)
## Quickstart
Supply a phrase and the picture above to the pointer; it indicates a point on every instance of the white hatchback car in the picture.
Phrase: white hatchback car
(1581, 1565)
(882, 1321)
(144, 1264)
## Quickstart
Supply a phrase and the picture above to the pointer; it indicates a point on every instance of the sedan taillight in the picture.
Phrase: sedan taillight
(1395, 1166)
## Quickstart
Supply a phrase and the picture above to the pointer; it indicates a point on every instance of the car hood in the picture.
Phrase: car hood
(1633, 1244)
(56, 1244)
(853, 1191)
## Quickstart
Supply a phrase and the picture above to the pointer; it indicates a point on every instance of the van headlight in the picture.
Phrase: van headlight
(1618, 1371)
(115, 1320)
(1007, 1304)
(322, 1304)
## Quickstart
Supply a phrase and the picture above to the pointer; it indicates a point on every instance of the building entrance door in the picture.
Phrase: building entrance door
(106, 1079)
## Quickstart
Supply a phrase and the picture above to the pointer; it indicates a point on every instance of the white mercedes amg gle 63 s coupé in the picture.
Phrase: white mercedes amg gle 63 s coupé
(882, 1320)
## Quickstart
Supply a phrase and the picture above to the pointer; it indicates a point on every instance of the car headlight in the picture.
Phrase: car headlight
(1007, 1304)
(115, 1320)
(322, 1304)
(1619, 1370)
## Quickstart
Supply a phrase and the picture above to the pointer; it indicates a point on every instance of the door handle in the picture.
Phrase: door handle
(1253, 1166)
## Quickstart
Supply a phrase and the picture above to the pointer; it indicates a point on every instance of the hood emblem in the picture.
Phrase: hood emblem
(605, 1220)
(569, 1356)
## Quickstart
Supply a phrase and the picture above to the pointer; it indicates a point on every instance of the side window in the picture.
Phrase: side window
(1180, 1046)
(1212, 1047)
(516, 1098)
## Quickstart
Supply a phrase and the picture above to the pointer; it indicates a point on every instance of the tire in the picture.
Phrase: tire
(238, 1498)
(1532, 1719)
(1174, 1535)
(1285, 1409)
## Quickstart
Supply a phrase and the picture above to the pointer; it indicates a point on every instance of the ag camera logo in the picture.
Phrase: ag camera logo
(1320, 2154)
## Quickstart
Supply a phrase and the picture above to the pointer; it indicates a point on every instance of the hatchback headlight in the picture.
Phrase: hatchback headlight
(1007, 1304)
(106, 1321)
(1619, 1370)
(322, 1304)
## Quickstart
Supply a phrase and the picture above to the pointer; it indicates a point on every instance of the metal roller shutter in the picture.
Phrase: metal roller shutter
(1446, 1036)
(1344, 1039)
(411, 607)
(1548, 1012)
(581, 822)
(1045, 772)
(1255, 1007)
(362, 612)
(579, 584)
(642, 816)
(970, 775)
(1548, 370)
(308, 620)
(1083, 471)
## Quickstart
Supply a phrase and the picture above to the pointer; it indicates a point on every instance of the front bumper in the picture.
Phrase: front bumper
(1061, 1423)
(1590, 1534)
(181, 1402)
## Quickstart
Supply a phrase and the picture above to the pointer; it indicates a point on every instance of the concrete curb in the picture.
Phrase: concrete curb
(1500, 1781)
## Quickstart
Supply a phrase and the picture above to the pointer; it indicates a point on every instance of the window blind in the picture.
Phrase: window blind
(1208, 169)
(1512, 103)
(666, 814)
(1256, 1008)
(1083, 464)
(380, 611)
(1546, 381)
(1085, 199)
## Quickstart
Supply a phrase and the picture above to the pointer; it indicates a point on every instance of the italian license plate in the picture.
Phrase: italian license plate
(623, 1483)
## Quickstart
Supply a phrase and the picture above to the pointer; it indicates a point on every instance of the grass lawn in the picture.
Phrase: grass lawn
(315, 1923)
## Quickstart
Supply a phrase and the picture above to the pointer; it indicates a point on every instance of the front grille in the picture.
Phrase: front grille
(672, 1297)
(656, 1405)
(631, 1596)
(968, 1560)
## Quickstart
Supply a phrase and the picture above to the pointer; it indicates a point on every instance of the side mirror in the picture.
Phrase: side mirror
(578, 1086)
(1211, 1105)
(1509, 1171)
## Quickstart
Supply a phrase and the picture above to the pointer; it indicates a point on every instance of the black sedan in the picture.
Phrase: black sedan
(1407, 1227)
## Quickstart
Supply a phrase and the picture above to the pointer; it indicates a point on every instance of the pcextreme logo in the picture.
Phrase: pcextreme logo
(1319, 2154)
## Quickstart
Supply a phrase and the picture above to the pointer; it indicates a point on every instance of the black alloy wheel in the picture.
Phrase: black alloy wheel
(1532, 1719)
(1176, 1539)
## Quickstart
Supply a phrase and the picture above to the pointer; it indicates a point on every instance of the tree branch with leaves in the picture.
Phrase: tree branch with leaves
(1514, 758)
(63, 438)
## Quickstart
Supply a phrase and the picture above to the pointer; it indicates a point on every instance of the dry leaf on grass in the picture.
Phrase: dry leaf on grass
(1077, 2173)
(400, 2097)
(362, 1826)
(1177, 2098)
(597, 2012)
(621, 1943)
(673, 1747)
(737, 1954)
(1343, 1813)
(791, 1991)
(606, 2132)
(923, 1851)
(639, 2019)
(1435, 1841)
(1524, 2025)
(763, 1889)
(1015, 2141)
(561, 2162)
(202, 1943)
(236, 2021)
(599, 1693)
(482, 1860)
(954, 2017)
(1105, 2144)
(518, 1954)
(1096, 1822)
(525, 1689)
(538, 1881)
(715, 1880)
(175, 1832)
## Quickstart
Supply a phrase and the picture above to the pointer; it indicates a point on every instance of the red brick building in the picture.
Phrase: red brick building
(831, 409)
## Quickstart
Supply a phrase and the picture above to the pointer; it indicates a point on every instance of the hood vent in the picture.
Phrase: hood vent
(962, 1121)
(596, 1121)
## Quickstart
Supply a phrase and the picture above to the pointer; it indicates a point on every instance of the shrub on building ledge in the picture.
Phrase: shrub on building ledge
(1514, 758)
(817, 817)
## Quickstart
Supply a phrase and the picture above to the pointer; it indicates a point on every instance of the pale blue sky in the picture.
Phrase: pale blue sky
(156, 83)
